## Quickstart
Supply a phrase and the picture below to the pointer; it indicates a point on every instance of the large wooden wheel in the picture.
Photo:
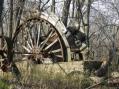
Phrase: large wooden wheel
(41, 39)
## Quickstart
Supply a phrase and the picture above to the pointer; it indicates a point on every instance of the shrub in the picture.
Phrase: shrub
(3, 85)
(86, 82)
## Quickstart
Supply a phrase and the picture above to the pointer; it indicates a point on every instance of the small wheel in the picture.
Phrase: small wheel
(39, 40)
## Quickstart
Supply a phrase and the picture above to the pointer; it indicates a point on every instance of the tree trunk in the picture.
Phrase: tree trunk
(1, 29)
(1, 9)
(53, 6)
(82, 17)
(11, 19)
(65, 11)
(73, 8)
(19, 11)
(87, 26)
(39, 6)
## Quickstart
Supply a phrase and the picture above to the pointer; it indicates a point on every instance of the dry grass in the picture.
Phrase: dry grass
(49, 76)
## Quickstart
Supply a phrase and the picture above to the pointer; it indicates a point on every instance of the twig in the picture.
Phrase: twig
(94, 85)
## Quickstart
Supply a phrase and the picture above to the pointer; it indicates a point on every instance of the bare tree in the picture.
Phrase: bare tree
(82, 16)
(87, 26)
(1, 7)
(53, 6)
(11, 19)
(1, 10)
(19, 11)
(65, 11)
(79, 5)
(73, 8)
(1, 28)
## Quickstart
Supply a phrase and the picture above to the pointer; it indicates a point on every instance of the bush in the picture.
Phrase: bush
(3, 85)
(86, 82)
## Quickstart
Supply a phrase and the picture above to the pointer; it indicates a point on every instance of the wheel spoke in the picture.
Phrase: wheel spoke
(53, 35)
(29, 45)
(26, 54)
(26, 48)
(59, 56)
(34, 34)
(30, 38)
(39, 31)
(45, 41)
(31, 42)
(55, 51)
(51, 44)
(3, 48)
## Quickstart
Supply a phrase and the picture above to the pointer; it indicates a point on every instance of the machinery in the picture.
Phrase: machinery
(42, 38)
